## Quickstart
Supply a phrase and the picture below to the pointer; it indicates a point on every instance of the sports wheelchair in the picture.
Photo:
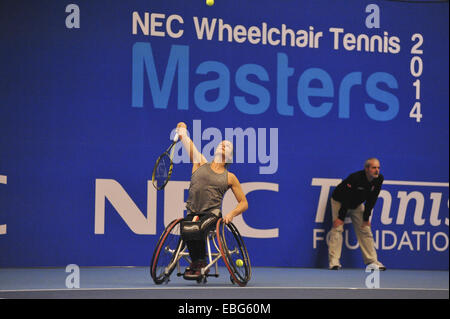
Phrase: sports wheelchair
(227, 243)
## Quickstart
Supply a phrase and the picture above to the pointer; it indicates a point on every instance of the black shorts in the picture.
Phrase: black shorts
(197, 230)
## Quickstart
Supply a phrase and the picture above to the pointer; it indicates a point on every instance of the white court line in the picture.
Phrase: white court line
(335, 181)
(215, 288)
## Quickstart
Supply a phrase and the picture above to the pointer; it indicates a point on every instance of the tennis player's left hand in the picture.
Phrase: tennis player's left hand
(228, 218)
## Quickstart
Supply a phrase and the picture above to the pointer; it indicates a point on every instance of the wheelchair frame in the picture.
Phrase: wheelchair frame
(221, 251)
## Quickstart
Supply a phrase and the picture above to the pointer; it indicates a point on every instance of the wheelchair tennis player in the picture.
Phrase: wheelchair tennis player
(209, 182)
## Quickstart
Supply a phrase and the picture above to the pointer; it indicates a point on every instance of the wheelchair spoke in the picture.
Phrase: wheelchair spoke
(171, 253)
(234, 253)
(167, 253)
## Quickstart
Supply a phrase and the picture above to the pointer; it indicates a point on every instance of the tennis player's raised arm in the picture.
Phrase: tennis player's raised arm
(197, 158)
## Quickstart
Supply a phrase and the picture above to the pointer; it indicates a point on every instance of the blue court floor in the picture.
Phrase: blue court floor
(266, 283)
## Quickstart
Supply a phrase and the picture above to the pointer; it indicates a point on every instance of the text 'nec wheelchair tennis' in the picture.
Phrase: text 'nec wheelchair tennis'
(223, 242)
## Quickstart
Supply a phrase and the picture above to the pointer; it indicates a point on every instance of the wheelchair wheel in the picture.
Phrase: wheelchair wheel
(234, 252)
(163, 261)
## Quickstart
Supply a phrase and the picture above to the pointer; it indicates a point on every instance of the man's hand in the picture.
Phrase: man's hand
(365, 224)
(338, 222)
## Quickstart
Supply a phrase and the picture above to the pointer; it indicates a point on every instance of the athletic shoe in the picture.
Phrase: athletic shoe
(194, 271)
(336, 267)
(190, 273)
(376, 266)
(201, 264)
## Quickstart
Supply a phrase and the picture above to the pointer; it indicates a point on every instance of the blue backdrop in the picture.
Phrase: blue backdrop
(91, 90)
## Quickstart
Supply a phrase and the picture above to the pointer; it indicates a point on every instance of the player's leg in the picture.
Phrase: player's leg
(194, 231)
(335, 239)
(365, 238)
(207, 223)
(189, 233)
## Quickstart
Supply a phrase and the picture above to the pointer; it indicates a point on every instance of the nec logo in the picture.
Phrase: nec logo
(174, 206)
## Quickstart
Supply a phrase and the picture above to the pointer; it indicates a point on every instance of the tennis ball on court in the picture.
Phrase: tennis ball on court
(239, 263)
(209, 2)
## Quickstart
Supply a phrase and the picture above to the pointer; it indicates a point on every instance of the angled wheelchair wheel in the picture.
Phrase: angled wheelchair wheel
(234, 253)
(166, 254)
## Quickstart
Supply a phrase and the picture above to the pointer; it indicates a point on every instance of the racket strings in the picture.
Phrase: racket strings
(162, 171)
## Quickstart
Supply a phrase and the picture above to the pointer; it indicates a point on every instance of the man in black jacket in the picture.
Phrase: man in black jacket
(348, 198)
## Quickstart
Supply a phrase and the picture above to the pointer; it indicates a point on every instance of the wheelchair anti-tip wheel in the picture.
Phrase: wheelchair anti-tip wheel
(234, 253)
(163, 261)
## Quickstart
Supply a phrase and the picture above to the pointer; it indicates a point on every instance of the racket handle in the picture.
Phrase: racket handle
(175, 138)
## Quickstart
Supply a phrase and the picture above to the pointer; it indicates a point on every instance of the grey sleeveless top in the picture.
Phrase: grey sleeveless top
(206, 190)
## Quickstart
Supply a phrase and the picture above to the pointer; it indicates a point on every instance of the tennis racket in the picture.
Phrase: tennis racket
(163, 167)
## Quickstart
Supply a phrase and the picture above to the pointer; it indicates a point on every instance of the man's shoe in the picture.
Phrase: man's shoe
(376, 266)
(335, 267)
(334, 264)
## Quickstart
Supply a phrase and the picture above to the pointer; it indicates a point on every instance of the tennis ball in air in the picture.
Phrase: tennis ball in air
(209, 2)
(239, 263)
